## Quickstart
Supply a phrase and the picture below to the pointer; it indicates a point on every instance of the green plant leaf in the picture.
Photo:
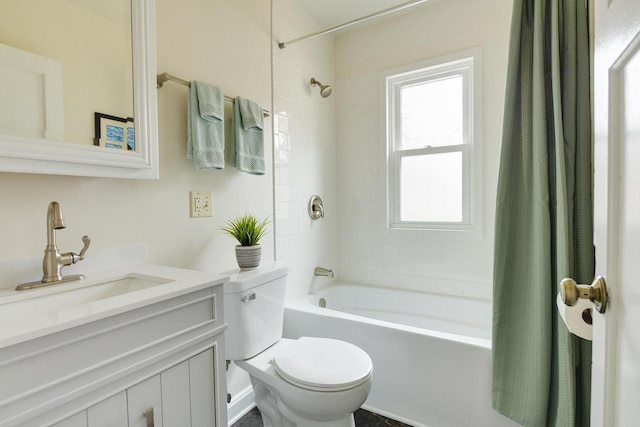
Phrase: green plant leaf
(246, 229)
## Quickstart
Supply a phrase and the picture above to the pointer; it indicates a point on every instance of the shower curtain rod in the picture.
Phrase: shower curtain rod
(282, 45)
(166, 77)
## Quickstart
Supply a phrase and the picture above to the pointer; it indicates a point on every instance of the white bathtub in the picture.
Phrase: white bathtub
(431, 353)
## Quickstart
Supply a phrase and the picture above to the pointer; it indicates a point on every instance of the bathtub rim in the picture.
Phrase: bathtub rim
(304, 303)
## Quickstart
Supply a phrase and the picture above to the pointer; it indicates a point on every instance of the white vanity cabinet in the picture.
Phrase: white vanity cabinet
(111, 412)
(164, 358)
(180, 396)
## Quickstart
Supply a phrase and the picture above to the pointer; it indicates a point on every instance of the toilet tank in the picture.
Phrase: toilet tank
(254, 309)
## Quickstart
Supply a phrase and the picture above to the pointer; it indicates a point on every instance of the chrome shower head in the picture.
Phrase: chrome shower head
(325, 90)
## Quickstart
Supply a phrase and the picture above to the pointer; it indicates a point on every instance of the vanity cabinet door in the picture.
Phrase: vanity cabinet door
(183, 395)
(202, 384)
(176, 407)
(109, 413)
(145, 403)
(188, 393)
(78, 420)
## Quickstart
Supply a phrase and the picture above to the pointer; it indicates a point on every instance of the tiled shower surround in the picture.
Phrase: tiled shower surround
(334, 147)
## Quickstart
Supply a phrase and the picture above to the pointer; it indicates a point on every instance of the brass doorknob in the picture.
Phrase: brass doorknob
(570, 292)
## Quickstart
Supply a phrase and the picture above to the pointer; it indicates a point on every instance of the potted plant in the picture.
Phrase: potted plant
(247, 230)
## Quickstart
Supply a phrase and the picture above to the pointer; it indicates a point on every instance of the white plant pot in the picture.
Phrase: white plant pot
(248, 257)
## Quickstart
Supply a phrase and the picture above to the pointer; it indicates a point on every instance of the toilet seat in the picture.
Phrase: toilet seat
(323, 364)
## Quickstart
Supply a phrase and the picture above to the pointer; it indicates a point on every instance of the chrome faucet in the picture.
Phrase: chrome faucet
(53, 260)
(320, 271)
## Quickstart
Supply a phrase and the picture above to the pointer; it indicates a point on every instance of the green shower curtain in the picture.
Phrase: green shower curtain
(544, 226)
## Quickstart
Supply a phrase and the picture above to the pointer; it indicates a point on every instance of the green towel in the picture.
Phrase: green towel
(247, 146)
(205, 126)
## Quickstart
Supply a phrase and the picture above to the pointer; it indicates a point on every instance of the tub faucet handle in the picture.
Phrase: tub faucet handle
(315, 208)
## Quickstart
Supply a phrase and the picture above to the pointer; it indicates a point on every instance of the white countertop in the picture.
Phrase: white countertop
(30, 314)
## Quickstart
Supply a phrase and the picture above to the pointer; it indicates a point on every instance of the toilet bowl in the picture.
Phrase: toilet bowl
(312, 387)
(306, 382)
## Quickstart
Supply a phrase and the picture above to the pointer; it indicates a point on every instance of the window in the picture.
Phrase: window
(433, 153)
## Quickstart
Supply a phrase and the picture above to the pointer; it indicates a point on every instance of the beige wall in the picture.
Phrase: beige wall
(196, 39)
(224, 42)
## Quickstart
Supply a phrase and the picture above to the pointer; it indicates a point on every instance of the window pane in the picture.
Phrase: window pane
(431, 187)
(432, 114)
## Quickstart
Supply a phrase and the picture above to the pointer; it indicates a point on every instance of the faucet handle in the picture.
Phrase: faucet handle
(69, 258)
(87, 242)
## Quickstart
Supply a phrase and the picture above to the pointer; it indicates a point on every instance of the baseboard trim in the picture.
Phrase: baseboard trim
(241, 403)
(393, 416)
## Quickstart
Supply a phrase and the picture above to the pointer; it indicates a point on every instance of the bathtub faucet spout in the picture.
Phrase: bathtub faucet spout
(320, 271)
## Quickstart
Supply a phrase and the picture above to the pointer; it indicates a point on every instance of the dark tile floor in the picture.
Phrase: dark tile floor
(363, 419)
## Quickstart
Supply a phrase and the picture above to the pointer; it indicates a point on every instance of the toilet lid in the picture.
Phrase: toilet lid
(323, 364)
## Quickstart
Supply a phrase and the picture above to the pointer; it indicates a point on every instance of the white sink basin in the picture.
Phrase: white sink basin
(112, 287)
(54, 303)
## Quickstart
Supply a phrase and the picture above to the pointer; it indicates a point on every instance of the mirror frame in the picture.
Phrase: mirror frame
(41, 156)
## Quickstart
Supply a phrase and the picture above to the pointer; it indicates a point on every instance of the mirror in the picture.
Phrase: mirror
(85, 114)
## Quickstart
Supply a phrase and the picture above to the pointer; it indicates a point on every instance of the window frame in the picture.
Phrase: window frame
(467, 65)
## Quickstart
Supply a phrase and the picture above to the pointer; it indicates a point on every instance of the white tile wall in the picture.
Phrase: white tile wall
(448, 263)
(305, 152)
(333, 147)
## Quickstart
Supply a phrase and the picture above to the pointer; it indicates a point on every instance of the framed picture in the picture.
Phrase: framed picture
(114, 132)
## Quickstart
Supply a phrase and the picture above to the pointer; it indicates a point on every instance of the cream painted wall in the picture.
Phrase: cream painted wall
(195, 40)
(454, 263)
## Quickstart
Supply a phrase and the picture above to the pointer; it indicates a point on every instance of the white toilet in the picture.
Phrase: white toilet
(305, 382)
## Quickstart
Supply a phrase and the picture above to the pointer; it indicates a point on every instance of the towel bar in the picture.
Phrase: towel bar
(166, 77)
